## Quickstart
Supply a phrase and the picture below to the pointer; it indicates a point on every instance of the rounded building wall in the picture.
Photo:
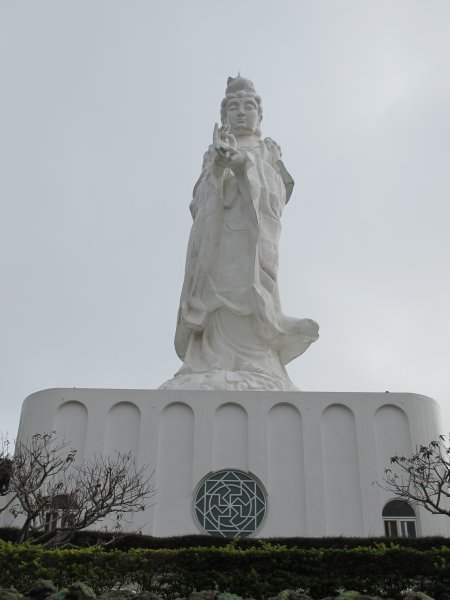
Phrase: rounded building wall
(316, 454)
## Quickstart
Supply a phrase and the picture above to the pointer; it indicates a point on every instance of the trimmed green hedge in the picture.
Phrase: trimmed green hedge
(255, 572)
(87, 539)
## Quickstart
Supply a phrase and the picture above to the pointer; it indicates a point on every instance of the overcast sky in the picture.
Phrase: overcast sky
(106, 108)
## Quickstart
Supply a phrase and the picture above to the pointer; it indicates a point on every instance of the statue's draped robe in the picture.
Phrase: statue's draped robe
(231, 332)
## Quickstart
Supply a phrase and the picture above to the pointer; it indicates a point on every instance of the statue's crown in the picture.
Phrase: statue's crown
(237, 84)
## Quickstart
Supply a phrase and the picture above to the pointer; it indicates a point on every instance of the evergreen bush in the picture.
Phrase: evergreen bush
(257, 573)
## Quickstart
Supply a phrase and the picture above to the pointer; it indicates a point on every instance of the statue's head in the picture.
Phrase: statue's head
(241, 108)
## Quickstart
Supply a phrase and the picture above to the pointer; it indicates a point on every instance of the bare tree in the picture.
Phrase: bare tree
(93, 490)
(37, 467)
(55, 496)
(423, 478)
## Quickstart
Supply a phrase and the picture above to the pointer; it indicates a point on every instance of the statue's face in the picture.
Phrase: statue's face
(242, 115)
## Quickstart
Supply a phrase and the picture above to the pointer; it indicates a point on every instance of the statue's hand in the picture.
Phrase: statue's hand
(222, 138)
(226, 153)
(231, 158)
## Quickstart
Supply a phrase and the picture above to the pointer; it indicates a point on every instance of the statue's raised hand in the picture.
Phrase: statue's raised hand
(223, 140)
(227, 154)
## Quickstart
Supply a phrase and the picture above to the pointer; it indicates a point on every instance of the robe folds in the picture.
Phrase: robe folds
(231, 332)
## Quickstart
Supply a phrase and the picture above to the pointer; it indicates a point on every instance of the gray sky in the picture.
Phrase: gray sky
(106, 108)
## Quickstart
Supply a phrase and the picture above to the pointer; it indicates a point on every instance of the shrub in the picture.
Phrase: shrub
(253, 573)
(129, 541)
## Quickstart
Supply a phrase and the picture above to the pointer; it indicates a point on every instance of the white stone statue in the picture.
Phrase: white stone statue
(231, 333)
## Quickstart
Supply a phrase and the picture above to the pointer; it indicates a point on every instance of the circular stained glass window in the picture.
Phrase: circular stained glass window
(230, 503)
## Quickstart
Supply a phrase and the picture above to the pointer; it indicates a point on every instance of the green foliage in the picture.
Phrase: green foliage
(291, 595)
(10, 594)
(77, 590)
(117, 595)
(110, 541)
(61, 595)
(204, 595)
(258, 572)
(42, 589)
(228, 596)
(82, 591)
(129, 541)
(352, 595)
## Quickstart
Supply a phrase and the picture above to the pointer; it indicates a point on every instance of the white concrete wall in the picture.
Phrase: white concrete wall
(317, 454)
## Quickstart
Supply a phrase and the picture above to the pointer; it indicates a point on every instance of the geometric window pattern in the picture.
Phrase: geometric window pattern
(230, 503)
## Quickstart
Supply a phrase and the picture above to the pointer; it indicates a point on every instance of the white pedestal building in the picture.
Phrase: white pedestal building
(280, 463)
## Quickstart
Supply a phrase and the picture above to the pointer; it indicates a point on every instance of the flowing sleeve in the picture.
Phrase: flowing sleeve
(278, 165)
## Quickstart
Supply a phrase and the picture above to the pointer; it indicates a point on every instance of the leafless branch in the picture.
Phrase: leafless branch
(56, 496)
(422, 478)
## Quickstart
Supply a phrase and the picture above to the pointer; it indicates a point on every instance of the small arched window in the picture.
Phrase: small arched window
(399, 519)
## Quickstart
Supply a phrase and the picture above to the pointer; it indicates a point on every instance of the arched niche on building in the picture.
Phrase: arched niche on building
(71, 422)
(175, 458)
(392, 435)
(230, 437)
(286, 469)
(122, 430)
(341, 474)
